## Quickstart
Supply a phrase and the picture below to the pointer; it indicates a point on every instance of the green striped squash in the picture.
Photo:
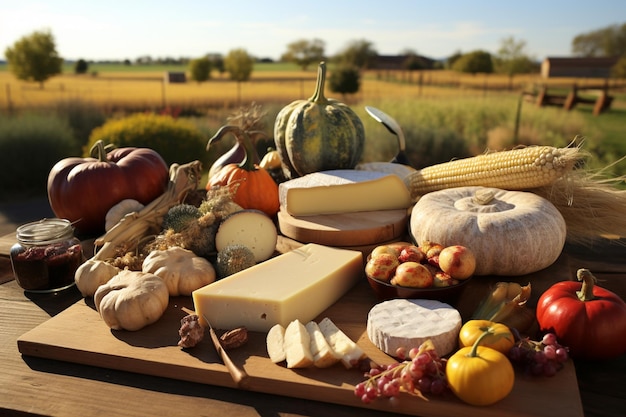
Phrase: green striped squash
(318, 134)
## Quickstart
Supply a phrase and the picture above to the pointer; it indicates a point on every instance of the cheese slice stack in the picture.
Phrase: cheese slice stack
(343, 191)
(409, 323)
(321, 345)
(299, 284)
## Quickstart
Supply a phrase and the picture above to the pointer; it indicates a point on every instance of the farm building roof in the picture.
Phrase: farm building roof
(389, 62)
(578, 66)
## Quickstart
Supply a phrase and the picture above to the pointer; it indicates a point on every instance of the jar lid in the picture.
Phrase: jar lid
(45, 231)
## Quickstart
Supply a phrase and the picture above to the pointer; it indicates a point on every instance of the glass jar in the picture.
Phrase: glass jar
(46, 255)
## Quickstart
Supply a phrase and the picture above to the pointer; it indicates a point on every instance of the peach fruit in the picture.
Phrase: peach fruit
(412, 274)
(457, 261)
(382, 267)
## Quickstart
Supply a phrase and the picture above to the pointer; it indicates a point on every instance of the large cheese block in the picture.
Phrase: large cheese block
(299, 284)
(343, 191)
(405, 323)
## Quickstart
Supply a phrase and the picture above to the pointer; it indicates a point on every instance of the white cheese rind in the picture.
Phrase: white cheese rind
(409, 323)
(343, 191)
(400, 170)
(299, 284)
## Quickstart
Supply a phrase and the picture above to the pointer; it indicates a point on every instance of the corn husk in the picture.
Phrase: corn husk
(133, 227)
(591, 203)
(506, 304)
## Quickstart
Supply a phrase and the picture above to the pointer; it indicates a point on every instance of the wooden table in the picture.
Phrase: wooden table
(36, 386)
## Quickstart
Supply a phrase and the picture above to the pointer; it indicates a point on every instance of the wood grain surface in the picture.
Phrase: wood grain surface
(78, 335)
(343, 230)
(37, 385)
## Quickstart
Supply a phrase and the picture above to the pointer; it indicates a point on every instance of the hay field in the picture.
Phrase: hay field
(148, 89)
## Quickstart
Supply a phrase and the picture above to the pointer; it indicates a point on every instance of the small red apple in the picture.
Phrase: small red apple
(412, 274)
(382, 267)
(411, 253)
(441, 279)
(457, 261)
(390, 249)
(431, 248)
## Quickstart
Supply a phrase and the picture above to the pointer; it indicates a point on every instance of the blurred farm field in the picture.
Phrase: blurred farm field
(444, 115)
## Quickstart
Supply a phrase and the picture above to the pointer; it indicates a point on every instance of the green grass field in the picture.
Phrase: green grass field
(444, 116)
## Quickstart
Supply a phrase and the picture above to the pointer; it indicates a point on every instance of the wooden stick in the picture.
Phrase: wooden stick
(239, 375)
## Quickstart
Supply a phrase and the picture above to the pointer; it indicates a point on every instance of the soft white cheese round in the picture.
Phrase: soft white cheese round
(409, 323)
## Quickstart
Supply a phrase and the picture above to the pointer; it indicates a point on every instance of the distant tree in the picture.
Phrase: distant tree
(144, 60)
(345, 80)
(608, 41)
(413, 61)
(239, 64)
(34, 57)
(474, 62)
(452, 59)
(359, 53)
(217, 62)
(81, 66)
(127, 62)
(304, 52)
(512, 58)
(619, 69)
(200, 69)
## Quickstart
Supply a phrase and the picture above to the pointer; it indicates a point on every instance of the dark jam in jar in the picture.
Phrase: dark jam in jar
(46, 255)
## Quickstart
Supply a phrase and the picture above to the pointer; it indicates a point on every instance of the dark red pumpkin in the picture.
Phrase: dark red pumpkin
(252, 186)
(83, 190)
(588, 319)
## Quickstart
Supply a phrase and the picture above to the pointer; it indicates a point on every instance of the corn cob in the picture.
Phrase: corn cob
(517, 169)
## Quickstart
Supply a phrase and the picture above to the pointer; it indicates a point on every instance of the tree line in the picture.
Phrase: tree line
(34, 58)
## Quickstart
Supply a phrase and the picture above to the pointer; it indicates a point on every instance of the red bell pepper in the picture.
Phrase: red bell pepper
(588, 319)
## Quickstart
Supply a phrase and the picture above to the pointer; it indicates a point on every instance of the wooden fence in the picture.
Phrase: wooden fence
(121, 90)
(597, 95)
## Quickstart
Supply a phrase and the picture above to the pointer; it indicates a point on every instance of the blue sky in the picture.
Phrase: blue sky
(114, 29)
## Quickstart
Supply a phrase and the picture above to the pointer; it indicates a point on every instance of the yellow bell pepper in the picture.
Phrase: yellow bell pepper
(480, 375)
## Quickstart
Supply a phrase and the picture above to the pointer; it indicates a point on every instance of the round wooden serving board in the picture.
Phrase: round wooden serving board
(345, 229)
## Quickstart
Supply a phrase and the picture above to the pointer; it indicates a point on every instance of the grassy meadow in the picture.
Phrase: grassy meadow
(444, 115)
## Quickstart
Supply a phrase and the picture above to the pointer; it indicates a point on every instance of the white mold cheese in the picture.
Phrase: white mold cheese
(409, 323)
(343, 191)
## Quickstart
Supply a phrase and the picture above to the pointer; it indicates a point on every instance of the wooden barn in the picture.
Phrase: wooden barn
(173, 77)
(578, 67)
(399, 62)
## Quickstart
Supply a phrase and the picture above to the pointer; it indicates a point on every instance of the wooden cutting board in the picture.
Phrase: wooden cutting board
(79, 335)
(345, 229)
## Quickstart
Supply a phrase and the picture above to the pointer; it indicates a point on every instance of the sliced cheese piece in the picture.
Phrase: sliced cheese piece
(251, 228)
(299, 284)
(297, 346)
(343, 346)
(343, 191)
(409, 323)
(275, 341)
(323, 355)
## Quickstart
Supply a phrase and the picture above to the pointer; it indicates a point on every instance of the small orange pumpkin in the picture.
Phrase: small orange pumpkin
(252, 187)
